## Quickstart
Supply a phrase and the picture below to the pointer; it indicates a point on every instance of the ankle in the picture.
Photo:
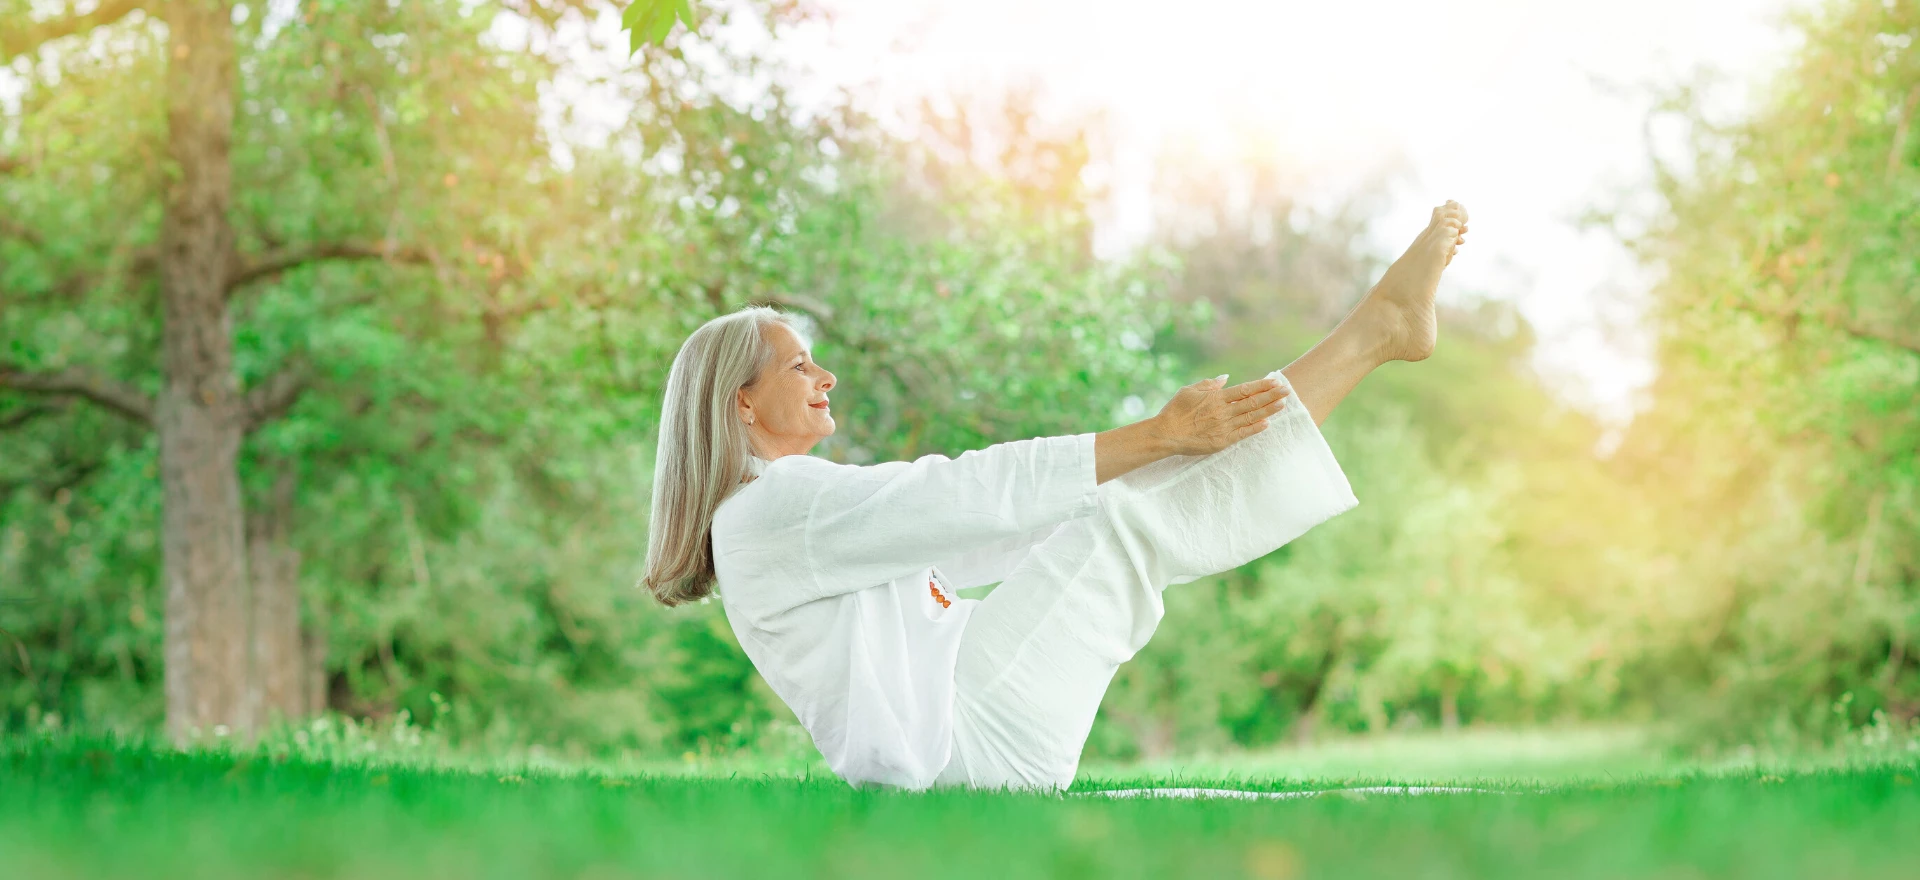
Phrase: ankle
(1372, 332)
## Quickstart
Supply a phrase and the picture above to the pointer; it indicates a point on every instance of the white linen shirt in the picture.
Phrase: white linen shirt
(824, 573)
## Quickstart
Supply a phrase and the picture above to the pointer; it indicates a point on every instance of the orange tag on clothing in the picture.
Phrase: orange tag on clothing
(937, 596)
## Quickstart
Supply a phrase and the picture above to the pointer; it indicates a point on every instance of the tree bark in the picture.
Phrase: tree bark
(21, 38)
(200, 415)
(1305, 725)
(314, 638)
(277, 689)
(1308, 721)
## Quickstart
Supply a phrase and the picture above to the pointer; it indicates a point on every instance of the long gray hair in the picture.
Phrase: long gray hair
(703, 451)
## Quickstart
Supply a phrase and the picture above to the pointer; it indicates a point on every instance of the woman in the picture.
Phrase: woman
(841, 581)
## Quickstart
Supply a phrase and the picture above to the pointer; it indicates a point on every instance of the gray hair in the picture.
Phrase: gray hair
(703, 454)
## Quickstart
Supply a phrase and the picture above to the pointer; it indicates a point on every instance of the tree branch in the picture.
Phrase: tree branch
(800, 302)
(1896, 157)
(19, 40)
(549, 12)
(29, 413)
(139, 264)
(12, 228)
(716, 294)
(276, 396)
(121, 400)
(274, 264)
(1882, 333)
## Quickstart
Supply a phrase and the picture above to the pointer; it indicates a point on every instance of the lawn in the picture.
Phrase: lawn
(74, 807)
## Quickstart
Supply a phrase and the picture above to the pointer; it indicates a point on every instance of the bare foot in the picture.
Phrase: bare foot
(1400, 307)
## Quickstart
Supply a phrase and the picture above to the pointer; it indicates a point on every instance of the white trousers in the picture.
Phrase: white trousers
(1039, 652)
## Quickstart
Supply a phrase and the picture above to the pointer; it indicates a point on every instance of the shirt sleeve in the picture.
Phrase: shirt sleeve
(865, 526)
(992, 563)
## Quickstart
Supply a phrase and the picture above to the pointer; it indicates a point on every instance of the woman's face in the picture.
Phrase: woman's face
(785, 409)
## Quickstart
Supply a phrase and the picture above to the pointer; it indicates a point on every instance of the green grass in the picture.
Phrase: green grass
(74, 807)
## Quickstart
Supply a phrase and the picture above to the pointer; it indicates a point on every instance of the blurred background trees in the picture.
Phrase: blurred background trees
(1784, 437)
(446, 330)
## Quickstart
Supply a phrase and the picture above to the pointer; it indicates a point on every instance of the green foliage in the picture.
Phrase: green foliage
(1781, 456)
(649, 21)
(1456, 593)
(1743, 564)
(471, 458)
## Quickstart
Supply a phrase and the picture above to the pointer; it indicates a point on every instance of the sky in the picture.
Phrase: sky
(1528, 111)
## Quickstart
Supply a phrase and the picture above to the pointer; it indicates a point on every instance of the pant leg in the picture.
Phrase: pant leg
(1039, 652)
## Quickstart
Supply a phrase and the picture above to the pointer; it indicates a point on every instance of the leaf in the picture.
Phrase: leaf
(650, 21)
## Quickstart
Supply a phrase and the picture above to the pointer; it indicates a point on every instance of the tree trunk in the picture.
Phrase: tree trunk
(277, 690)
(1450, 706)
(1305, 724)
(314, 637)
(199, 414)
(1308, 721)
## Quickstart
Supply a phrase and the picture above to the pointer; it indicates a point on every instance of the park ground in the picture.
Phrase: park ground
(1564, 805)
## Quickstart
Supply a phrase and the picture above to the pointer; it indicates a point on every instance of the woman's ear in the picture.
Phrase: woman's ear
(743, 407)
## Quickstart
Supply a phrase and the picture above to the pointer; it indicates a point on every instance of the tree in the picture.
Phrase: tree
(1782, 447)
(170, 227)
(1455, 590)
(199, 412)
(471, 337)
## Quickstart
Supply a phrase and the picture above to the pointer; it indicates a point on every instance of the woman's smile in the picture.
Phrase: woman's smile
(769, 406)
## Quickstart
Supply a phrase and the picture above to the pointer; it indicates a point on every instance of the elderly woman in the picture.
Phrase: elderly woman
(842, 582)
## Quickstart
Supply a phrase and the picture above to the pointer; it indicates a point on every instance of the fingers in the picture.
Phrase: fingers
(1272, 409)
(1248, 431)
(1248, 389)
(1252, 423)
(1258, 414)
(1265, 402)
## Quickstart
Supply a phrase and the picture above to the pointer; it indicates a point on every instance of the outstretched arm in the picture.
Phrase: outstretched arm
(1203, 418)
(829, 528)
(810, 528)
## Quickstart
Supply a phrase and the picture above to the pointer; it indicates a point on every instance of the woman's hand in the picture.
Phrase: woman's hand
(1204, 418)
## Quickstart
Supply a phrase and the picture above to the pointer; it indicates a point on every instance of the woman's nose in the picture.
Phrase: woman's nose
(827, 382)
